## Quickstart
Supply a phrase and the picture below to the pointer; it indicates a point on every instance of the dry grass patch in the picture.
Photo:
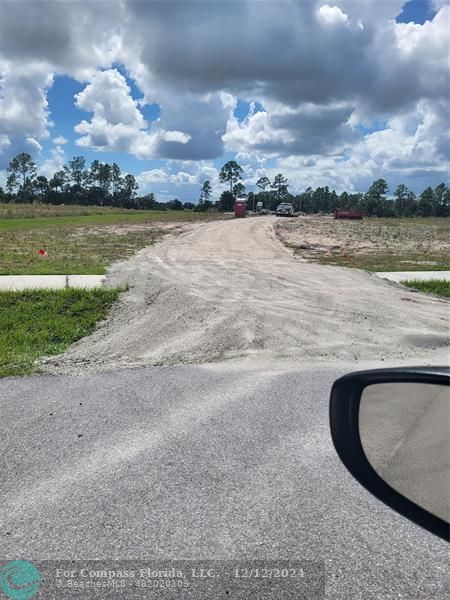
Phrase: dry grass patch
(372, 244)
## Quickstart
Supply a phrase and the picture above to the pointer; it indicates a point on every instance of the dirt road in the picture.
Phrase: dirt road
(228, 289)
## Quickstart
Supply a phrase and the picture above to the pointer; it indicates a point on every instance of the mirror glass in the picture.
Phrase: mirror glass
(404, 430)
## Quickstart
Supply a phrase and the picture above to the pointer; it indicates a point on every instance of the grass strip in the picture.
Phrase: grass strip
(36, 323)
(439, 287)
(23, 217)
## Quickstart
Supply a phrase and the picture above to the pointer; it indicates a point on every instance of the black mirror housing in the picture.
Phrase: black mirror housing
(345, 431)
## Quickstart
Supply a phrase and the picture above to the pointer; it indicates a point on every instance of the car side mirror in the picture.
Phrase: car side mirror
(390, 428)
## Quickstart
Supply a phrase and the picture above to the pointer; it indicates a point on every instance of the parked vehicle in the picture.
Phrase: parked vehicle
(285, 209)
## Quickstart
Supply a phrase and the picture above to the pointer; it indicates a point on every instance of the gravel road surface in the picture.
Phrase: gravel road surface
(230, 289)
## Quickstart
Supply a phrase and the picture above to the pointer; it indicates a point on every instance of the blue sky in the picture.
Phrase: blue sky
(417, 11)
(346, 100)
(66, 115)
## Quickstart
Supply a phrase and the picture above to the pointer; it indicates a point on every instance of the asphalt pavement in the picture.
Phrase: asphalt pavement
(223, 461)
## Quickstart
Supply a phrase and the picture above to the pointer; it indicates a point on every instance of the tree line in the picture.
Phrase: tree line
(101, 184)
(104, 184)
(404, 203)
(375, 202)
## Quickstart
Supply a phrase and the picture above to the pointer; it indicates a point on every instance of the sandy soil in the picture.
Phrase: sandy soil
(230, 289)
(172, 227)
(315, 236)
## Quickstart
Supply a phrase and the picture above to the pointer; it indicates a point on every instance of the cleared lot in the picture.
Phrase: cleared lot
(231, 289)
(372, 244)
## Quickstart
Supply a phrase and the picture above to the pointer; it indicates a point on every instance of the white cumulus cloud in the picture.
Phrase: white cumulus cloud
(321, 69)
(54, 163)
(117, 123)
(331, 15)
(60, 140)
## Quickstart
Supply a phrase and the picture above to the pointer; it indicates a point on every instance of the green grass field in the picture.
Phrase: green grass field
(16, 210)
(70, 250)
(78, 240)
(10, 223)
(99, 214)
(439, 287)
(38, 323)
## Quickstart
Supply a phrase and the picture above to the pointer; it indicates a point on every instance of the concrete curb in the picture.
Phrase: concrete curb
(53, 282)
(399, 276)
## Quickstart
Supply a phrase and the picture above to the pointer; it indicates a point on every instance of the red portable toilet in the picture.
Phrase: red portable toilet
(240, 207)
